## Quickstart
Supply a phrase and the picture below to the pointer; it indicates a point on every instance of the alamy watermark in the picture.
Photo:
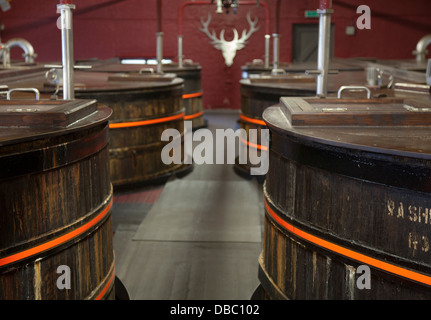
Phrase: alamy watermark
(364, 280)
(364, 20)
(223, 148)
(63, 281)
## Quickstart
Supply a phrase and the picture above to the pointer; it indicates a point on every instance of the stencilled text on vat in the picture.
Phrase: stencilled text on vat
(415, 214)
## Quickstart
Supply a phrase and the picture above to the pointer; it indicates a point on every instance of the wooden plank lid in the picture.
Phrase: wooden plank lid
(282, 78)
(315, 111)
(140, 77)
(43, 113)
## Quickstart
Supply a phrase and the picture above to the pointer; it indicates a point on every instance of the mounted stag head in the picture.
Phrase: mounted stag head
(229, 48)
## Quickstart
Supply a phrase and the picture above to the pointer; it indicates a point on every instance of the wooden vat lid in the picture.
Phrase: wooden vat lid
(20, 70)
(187, 66)
(44, 113)
(121, 68)
(413, 87)
(164, 77)
(91, 82)
(356, 112)
(281, 78)
(117, 67)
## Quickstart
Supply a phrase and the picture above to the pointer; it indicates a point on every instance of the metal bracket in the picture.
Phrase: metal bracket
(53, 76)
(428, 72)
(58, 66)
(146, 70)
(375, 77)
(35, 91)
(311, 72)
(354, 88)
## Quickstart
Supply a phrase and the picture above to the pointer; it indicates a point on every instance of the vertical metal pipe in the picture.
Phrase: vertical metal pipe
(159, 52)
(428, 72)
(267, 45)
(67, 50)
(421, 46)
(6, 56)
(180, 51)
(26, 46)
(276, 43)
(323, 51)
(159, 36)
(219, 6)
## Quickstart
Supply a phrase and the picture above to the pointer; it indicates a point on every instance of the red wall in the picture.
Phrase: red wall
(127, 28)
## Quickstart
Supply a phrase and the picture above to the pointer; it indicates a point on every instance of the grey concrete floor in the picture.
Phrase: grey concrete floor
(201, 238)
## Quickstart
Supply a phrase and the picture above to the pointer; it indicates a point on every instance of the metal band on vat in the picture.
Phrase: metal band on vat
(60, 240)
(145, 122)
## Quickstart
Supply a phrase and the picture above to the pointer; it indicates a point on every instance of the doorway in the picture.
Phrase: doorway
(305, 42)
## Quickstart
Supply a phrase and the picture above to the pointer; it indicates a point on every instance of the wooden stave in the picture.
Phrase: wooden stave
(193, 94)
(255, 98)
(191, 74)
(60, 241)
(155, 101)
(283, 155)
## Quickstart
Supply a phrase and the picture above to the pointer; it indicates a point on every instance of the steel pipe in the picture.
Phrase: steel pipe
(421, 46)
(65, 9)
(276, 53)
(159, 36)
(5, 55)
(323, 50)
(180, 51)
(428, 72)
(267, 45)
(219, 6)
(26, 46)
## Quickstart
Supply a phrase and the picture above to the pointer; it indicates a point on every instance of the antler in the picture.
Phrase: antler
(205, 30)
(229, 48)
(240, 43)
(235, 36)
(246, 34)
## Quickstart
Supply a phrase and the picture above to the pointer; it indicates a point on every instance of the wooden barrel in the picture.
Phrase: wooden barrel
(20, 70)
(348, 199)
(261, 90)
(142, 110)
(257, 67)
(143, 107)
(190, 73)
(55, 201)
(257, 94)
(193, 94)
